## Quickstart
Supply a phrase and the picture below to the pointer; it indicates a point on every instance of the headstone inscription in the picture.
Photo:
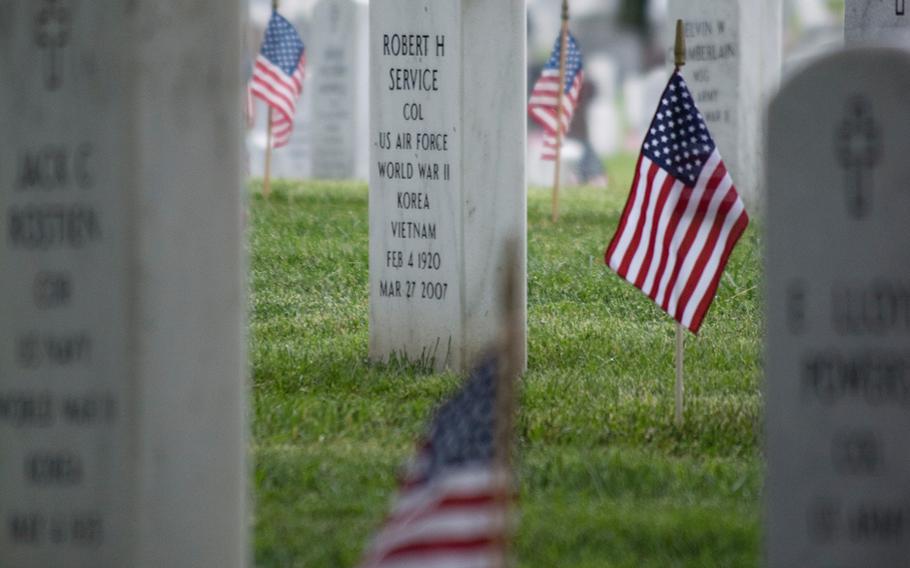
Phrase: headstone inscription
(876, 21)
(340, 90)
(838, 315)
(733, 66)
(121, 288)
(447, 179)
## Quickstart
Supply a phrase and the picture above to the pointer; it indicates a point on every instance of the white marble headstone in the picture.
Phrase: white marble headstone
(339, 96)
(877, 22)
(837, 357)
(447, 178)
(122, 366)
(733, 66)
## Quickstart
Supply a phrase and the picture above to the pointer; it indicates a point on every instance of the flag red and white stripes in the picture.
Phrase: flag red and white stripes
(453, 503)
(683, 216)
(456, 520)
(278, 76)
(544, 101)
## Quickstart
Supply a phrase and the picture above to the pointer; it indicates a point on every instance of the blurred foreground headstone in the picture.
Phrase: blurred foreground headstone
(837, 360)
(122, 350)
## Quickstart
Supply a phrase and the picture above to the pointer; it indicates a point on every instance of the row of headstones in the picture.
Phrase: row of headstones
(122, 366)
(734, 67)
(432, 290)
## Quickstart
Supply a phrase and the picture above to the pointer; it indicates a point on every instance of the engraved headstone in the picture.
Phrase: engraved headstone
(447, 179)
(876, 21)
(733, 65)
(838, 315)
(121, 291)
(339, 95)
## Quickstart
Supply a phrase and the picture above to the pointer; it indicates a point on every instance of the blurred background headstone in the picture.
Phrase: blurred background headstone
(877, 22)
(339, 96)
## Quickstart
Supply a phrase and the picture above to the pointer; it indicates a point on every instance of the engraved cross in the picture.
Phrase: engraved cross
(53, 26)
(858, 149)
(900, 7)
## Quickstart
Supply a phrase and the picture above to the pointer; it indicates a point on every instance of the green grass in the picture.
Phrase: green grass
(606, 478)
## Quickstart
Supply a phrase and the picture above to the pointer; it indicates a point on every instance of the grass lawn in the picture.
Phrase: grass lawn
(606, 479)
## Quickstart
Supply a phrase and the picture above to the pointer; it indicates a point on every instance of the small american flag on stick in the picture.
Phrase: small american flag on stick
(452, 508)
(543, 103)
(278, 76)
(683, 216)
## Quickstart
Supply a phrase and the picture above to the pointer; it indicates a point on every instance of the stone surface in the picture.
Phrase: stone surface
(541, 172)
(339, 96)
(447, 179)
(733, 66)
(641, 95)
(838, 315)
(877, 22)
(604, 119)
(121, 285)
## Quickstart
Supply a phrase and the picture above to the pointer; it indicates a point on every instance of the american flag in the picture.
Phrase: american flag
(452, 506)
(683, 216)
(278, 75)
(543, 104)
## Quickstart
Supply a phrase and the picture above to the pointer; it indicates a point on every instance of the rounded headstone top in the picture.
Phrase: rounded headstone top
(852, 64)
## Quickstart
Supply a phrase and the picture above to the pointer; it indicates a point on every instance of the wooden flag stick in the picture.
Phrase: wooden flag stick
(267, 176)
(509, 365)
(680, 387)
(563, 40)
(679, 52)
